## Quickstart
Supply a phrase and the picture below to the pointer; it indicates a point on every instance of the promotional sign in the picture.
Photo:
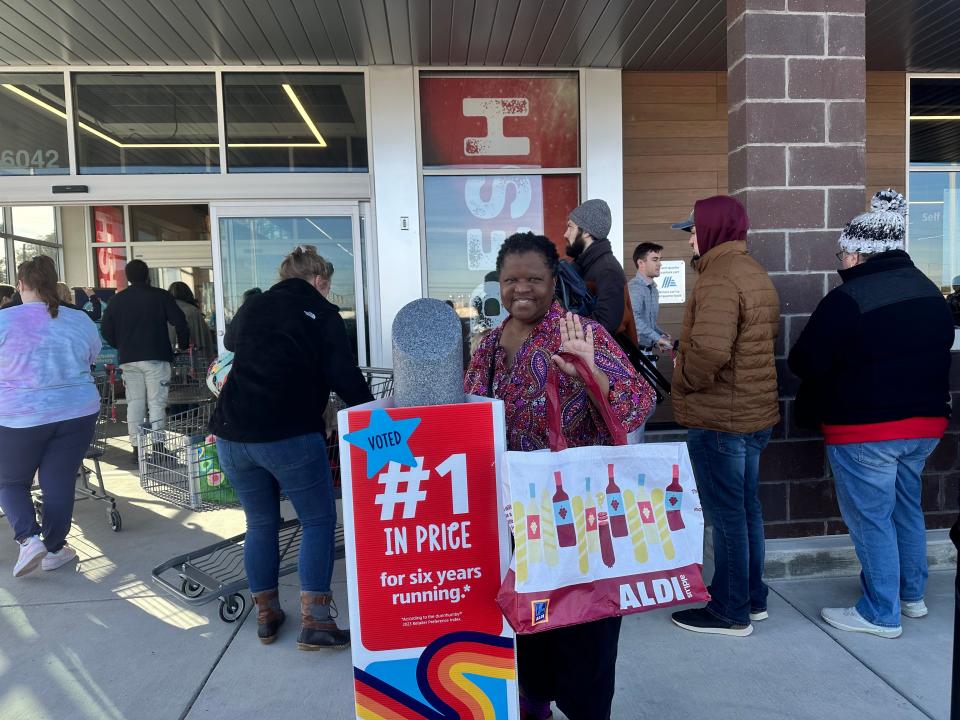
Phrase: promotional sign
(511, 120)
(427, 547)
(616, 530)
(672, 282)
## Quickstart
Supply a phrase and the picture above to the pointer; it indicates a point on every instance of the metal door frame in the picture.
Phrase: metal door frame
(299, 208)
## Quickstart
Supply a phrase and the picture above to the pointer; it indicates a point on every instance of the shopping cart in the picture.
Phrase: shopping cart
(179, 464)
(90, 467)
(188, 379)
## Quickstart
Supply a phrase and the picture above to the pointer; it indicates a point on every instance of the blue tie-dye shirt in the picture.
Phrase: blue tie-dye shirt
(45, 365)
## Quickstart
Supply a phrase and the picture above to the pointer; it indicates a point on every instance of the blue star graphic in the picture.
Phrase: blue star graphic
(385, 440)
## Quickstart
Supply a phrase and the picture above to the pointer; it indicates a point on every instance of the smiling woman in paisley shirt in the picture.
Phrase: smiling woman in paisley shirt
(573, 666)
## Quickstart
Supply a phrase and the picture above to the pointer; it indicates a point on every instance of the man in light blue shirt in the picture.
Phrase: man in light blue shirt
(645, 299)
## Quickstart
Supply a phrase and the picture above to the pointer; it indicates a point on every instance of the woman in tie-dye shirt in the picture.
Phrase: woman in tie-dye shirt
(575, 665)
(48, 408)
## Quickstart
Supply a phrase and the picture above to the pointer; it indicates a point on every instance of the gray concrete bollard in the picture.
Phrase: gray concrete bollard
(427, 355)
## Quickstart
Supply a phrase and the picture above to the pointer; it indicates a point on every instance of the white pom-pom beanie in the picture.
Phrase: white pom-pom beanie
(879, 230)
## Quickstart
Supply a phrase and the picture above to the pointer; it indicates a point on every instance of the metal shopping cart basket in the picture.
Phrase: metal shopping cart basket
(188, 380)
(179, 464)
(90, 467)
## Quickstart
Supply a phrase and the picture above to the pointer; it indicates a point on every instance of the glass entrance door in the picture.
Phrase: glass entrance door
(250, 242)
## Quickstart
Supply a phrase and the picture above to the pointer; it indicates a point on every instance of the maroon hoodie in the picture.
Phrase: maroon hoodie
(719, 219)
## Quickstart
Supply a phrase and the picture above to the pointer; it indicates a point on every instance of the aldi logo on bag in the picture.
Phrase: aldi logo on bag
(540, 611)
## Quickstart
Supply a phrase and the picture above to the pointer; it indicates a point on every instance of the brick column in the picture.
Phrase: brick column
(796, 84)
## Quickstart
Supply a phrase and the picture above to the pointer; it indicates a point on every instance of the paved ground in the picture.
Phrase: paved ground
(107, 642)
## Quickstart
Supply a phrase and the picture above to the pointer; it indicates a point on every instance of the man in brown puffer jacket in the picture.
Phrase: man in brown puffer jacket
(725, 392)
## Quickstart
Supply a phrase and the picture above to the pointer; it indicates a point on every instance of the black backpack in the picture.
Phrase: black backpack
(572, 291)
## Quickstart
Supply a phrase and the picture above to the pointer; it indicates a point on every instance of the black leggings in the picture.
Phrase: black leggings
(574, 666)
(56, 450)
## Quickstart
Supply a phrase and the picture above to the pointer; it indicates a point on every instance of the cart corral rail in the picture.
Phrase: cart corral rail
(179, 464)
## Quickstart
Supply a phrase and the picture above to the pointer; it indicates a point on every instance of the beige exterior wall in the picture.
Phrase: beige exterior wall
(74, 235)
(886, 131)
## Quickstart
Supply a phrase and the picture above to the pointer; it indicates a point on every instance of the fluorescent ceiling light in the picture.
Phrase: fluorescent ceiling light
(935, 117)
(303, 113)
(58, 112)
(321, 143)
(276, 145)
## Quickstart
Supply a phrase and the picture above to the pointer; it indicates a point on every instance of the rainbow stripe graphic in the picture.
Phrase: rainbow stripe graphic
(442, 679)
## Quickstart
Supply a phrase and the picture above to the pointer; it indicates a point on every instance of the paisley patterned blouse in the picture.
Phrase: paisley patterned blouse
(522, 389)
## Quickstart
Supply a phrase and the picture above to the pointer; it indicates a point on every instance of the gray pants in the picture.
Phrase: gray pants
(147, 384)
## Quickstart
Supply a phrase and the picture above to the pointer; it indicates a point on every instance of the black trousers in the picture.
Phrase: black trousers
(573, 666)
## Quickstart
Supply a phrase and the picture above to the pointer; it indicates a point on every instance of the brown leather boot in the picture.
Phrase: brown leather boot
(318, 630)
(269, 615)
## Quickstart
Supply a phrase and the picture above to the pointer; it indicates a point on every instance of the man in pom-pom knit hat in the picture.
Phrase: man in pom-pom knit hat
(873, 361)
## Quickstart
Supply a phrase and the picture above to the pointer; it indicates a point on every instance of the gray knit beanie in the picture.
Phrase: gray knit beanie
(879, 230)
(593, 216)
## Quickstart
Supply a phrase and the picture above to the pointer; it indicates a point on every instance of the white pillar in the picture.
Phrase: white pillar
(393, 164)
(602, 125)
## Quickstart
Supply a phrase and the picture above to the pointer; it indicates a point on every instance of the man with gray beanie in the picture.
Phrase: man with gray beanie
(588, 226)
(874, 361)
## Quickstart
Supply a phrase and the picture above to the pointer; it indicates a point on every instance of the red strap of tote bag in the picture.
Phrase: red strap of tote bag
(554, 417)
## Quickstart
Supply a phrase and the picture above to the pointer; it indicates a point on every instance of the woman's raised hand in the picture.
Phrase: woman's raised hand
(576, 341)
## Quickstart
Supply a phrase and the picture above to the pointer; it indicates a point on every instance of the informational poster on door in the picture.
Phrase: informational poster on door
(672, 282)
(427, 547)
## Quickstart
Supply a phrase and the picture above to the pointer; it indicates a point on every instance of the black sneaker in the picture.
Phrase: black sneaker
(702, 620)
(135, 457)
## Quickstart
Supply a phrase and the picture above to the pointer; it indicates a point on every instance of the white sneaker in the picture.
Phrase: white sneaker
(57, 559)
(851, 620)
(758, 615)
(32, 552)
(913, 609)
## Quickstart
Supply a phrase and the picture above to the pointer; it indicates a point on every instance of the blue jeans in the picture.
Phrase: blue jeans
(727, 468)
(299, 468)
(878, 488)
(56, 451)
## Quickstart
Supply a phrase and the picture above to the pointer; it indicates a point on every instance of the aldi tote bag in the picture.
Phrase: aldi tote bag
(599, 531)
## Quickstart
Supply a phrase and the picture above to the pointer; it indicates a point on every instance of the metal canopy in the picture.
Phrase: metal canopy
(632, 34)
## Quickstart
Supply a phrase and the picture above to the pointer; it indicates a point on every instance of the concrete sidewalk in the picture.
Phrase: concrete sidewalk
(107, 642)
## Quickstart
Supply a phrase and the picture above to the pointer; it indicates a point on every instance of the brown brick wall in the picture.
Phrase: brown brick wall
(675, 152)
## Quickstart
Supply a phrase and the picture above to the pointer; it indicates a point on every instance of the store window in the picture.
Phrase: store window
(252, 249)
(295, 122)
(933, 219)
(109, 246)
(146, 123)
(513, 142)
(170, 223)
(27, 232)
(35, 223)
(33, 124)
(109, 264)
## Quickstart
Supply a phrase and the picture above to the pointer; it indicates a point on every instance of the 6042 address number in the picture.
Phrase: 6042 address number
(28, 159)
